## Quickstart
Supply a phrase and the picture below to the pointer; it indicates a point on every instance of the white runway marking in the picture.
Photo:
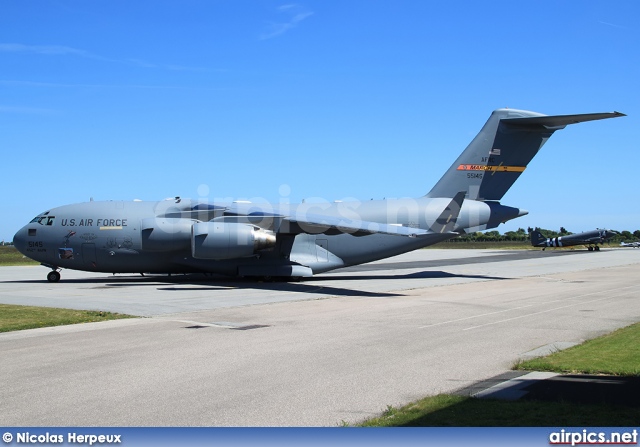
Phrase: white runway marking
(556, 308)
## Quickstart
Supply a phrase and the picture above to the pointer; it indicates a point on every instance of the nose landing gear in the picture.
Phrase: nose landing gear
(53, 276)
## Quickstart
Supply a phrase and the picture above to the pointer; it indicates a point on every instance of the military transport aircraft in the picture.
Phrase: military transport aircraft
(589, 238)
(294, 240)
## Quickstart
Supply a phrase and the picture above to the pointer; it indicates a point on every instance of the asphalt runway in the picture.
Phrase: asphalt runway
(337, 348)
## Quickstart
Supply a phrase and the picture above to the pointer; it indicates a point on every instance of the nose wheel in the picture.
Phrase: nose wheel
(53, 276)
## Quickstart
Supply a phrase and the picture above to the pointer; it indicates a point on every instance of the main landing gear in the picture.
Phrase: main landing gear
(53, 276)
(596, 248)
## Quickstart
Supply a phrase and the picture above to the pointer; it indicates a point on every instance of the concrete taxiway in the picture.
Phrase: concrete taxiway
(339, 347)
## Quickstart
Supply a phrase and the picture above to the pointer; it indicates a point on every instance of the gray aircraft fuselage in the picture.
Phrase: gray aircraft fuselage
(108, 236)
(294, 240)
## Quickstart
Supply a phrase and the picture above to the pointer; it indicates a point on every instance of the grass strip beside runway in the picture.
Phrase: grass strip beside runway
(9, 256)
(617, 354)
(16, 318)
(446, 410)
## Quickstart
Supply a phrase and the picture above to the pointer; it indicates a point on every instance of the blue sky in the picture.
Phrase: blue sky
(359, 99)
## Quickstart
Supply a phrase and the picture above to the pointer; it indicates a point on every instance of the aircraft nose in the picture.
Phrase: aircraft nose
(20, 240)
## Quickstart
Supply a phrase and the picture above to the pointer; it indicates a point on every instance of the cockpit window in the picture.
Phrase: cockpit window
(44, 219)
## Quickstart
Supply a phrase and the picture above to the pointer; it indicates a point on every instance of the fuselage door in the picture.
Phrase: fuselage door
(89, 254)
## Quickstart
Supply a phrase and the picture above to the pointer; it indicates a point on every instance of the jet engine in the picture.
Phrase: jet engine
(165, 234)
(226, 240)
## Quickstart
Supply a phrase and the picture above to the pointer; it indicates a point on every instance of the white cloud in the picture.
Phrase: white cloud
(296, 15)
(52, 50)
(27, 110)
(612, 24)
(59, 50)
(56, 50)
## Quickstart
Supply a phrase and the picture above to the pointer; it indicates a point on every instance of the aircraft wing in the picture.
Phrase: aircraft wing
(316, 224)
(320, 224)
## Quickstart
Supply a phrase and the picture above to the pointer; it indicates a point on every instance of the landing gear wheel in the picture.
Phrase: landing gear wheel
(590, 248)
(596, 248)
(53, 276)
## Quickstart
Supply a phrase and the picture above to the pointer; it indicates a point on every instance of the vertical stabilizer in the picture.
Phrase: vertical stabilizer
(497, 156)
(537, 239)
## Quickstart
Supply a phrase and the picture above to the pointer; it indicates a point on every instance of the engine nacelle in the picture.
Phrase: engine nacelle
(225, 240)
(165, 234)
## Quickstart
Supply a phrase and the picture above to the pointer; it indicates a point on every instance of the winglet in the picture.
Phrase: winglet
(447, 219)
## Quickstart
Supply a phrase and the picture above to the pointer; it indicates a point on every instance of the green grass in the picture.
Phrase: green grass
(10, 256)
(16, 318)
(617, 353)
(447, 410)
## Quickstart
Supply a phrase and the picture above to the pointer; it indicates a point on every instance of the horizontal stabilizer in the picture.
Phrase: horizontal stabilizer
(560, 121)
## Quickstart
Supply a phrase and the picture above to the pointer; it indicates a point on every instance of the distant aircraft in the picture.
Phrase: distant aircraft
(630, 244)
(294, 240)
(590, 238)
